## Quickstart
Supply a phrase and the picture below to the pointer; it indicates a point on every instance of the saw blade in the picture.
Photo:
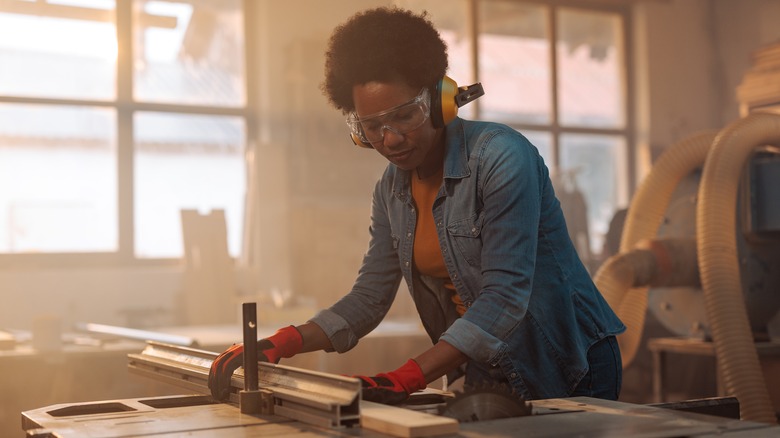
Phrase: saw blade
(485, 404)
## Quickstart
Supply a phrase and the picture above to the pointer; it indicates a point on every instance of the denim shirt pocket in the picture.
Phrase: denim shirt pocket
(466, 235)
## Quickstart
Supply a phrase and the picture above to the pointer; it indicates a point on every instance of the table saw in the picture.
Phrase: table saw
(295, 402)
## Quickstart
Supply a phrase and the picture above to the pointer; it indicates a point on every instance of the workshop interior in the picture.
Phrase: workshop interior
(171, 174)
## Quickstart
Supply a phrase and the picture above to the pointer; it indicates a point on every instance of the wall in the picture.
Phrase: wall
(691, 57)
(741, 28)
(678, 87)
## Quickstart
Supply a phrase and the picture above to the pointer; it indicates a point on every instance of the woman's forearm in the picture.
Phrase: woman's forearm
(314, 338)
(439, 360)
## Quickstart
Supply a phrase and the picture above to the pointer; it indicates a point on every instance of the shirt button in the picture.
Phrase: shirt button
(438, 224)
(513, 375)
(406, 263)
(408, 234)
(474, 230)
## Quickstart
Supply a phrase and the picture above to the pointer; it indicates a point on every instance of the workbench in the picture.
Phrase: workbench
(196, 414)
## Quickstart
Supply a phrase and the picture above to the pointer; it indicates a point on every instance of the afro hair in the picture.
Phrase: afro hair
(383, 44)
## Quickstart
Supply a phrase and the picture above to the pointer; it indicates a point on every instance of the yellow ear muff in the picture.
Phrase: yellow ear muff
(446, 90)
(448, 97)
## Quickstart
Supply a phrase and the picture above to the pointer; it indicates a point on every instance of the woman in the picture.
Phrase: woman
(465, 213)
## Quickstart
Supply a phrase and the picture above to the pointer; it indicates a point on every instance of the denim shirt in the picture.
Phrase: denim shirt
(532, 308)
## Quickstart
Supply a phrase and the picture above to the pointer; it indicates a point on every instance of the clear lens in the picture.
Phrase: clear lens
(404, 119)
(401, 119)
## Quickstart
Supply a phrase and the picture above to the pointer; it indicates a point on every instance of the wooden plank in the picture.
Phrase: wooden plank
(402, 422)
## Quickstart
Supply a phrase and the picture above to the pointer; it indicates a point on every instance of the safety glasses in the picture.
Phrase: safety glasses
(399, 119)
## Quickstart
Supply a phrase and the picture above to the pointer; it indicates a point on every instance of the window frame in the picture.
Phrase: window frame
(622, 9)
(556, 130)
(125, 107)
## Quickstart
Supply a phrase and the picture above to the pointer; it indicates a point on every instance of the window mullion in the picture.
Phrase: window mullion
(629, 103)
(252, 148)
(473, 36)
(552, 38)
(124, 108)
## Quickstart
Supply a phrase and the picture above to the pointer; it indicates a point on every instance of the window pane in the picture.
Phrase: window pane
(186, 162)
(58, 50)
(58, 174)
(514, 62)
(189, 52)
(590, 65)
(595, 166)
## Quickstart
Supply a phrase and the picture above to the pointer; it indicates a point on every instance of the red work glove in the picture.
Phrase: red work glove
(393, 387)
(286, 342)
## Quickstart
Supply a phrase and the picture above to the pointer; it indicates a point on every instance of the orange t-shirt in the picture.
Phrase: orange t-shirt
(427, 254)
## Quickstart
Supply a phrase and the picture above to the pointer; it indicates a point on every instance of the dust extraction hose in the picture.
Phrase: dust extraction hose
(718, 265)
(643, 219)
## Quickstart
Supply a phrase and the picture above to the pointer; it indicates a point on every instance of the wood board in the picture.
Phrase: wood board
(405, 423)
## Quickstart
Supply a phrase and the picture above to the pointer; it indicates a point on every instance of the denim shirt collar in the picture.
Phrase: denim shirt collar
(456, 160)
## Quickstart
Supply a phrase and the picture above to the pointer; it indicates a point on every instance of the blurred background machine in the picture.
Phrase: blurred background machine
(700, 250)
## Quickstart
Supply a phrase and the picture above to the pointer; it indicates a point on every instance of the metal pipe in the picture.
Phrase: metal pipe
(250, 346)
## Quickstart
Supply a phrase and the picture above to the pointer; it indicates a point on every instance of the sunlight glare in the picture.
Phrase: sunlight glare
(58, 36)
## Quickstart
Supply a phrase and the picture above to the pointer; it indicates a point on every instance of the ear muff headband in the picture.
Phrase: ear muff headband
(446, 98)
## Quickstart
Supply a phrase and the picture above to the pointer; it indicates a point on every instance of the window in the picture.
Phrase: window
(114, 116)
(59, 177)
(557, 72)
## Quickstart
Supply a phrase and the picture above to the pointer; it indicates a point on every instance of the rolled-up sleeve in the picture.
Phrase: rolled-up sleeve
(476, 343)
(336, 329)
